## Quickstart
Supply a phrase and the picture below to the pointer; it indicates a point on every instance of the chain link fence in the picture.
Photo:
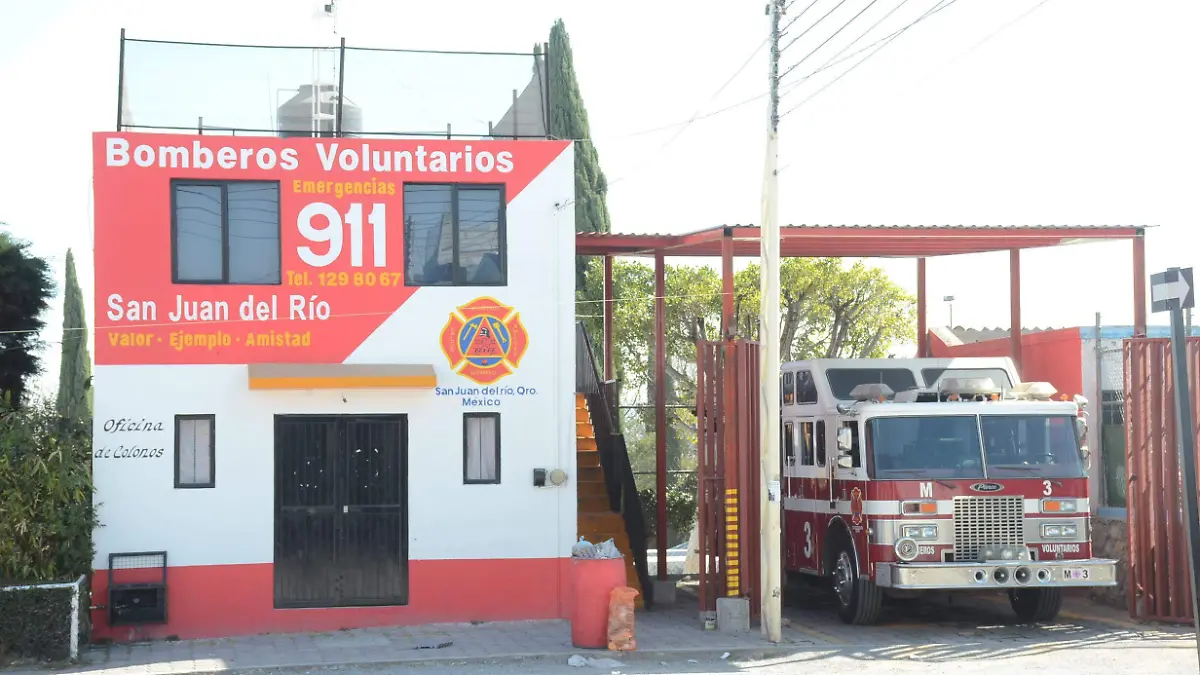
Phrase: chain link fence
(186, 87)
(1110, 420)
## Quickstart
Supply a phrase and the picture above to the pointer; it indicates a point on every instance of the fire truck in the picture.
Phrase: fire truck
(904, 476)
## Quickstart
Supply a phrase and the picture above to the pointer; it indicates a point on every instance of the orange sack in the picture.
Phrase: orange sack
(620, 619)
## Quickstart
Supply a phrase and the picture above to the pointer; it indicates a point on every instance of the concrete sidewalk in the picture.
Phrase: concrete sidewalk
(985, 626)
(672, 631)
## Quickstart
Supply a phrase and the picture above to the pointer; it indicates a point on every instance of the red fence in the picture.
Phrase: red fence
(1158, 559)
(727, 451)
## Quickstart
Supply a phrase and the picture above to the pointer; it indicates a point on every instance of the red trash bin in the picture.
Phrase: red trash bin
(592, 582)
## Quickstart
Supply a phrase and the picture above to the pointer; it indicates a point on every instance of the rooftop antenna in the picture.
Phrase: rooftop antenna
(325, 19)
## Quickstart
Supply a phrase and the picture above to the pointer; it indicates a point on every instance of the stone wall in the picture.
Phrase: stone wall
(1110, 540)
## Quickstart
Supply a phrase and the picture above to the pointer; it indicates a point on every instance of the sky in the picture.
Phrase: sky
(998, 112)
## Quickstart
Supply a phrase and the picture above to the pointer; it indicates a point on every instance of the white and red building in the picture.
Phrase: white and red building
(330, 375)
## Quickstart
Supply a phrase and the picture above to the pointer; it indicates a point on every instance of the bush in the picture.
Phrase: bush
(681, 509)
(46, 514)
(36, 623)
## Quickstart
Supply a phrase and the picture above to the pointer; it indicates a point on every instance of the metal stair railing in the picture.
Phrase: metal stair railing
(614, 455)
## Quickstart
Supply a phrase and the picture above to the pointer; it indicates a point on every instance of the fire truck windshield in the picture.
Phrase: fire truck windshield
(1040, 445)
(951, 446)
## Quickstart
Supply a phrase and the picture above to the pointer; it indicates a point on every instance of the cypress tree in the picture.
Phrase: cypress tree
(75, 371)
(569, 119)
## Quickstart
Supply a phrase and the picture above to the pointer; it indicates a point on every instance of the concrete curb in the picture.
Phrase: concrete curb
(639, 656)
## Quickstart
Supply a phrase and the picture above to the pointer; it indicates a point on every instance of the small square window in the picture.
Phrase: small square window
(195, 451)
(481, 448)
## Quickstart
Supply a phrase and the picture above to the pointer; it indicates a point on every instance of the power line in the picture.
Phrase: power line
(942, 4)
(814, 25)
(835, 34)
(855, 40)
(695, 116)
(796, 18)
(989, 36)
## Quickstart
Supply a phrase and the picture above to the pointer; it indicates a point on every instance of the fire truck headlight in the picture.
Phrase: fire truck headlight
(921, 532)
(1062, 531)
(1059, 506)
(907, 549)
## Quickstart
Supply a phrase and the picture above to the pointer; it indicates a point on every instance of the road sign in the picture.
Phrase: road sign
(1171, 290)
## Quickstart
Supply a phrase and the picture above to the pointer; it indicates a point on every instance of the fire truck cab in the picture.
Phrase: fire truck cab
(917, 475)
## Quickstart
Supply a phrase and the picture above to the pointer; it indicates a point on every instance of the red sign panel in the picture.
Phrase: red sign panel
(219, 249)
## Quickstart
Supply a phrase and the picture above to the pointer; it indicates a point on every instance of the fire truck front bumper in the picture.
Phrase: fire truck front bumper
(997, 574)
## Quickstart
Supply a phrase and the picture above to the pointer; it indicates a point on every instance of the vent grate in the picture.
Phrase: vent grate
(987, 521)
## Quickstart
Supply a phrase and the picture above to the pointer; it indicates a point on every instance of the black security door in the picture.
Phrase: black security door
(341, 525)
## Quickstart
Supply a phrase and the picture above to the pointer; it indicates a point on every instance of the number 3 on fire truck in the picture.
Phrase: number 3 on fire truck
(808, 546)
(1046, 489)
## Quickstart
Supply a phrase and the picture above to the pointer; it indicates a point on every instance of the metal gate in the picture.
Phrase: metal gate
(727, 448)
(1157, 583)
(341, 516)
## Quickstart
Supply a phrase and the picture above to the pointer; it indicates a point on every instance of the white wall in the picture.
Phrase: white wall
(139, 509)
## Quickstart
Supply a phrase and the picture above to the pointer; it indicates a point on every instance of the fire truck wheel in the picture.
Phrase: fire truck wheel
(859, 600)
(1036, 604)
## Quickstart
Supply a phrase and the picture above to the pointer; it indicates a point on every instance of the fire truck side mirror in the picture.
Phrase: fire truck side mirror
(846, 462)
(1081, 429)
(845, 440)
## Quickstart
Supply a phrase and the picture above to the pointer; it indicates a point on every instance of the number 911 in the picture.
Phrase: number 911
(331, 231)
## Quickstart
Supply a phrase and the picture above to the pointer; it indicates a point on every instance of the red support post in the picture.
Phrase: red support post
(922, 327)
(608, 317)
(727, 327)
(660, 407)
(1139, 283)
(1014, 307)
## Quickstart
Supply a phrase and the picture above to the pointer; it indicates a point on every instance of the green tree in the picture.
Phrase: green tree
(26, 286)
(75, 370)
(45, 495)
(827, 309)
(569, 119)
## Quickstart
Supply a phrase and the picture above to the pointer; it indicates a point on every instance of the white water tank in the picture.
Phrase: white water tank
(295, 116)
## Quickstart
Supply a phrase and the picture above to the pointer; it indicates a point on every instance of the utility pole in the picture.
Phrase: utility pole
(768, 334)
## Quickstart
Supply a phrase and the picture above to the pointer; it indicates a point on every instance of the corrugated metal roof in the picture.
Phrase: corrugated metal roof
(854, 240)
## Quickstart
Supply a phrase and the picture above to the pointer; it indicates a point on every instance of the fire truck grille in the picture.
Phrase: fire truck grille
(987, 521)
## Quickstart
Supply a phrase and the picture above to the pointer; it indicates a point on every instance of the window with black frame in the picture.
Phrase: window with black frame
(225, 232)
(933, 446)
(1031, 445)
(454, 235)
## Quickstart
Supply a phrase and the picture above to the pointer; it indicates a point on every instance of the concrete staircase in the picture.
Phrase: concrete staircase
(596, 519)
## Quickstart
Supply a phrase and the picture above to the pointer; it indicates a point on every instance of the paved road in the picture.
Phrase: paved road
(931, 635)
(925, 637)
(1147, 659)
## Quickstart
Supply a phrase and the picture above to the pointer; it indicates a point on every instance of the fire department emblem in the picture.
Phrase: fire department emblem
(856, 506)
(484, 340)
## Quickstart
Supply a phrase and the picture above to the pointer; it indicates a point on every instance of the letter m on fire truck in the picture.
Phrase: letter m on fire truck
(910, 475)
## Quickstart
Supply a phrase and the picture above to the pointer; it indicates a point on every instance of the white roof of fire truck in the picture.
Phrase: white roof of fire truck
(914, 386)
(962, 395)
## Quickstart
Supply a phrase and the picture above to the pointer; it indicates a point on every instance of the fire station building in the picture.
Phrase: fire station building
(334, 379)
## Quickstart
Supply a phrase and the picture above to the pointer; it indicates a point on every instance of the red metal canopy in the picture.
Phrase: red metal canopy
(843, 241)
(867, 241)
